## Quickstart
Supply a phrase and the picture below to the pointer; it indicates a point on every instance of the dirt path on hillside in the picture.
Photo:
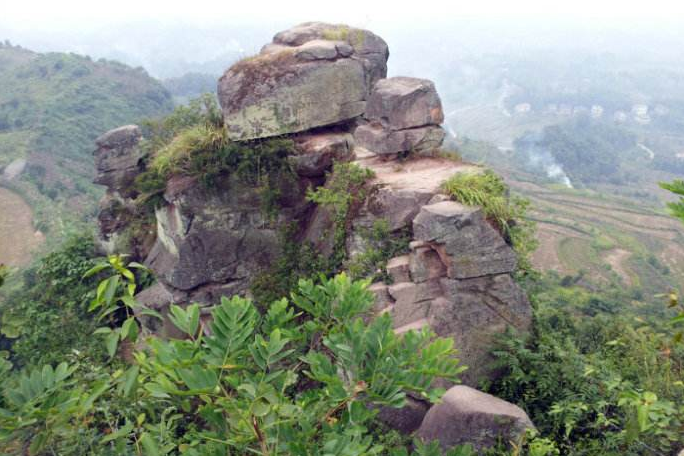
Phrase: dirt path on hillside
(617, 258)
(18, 238)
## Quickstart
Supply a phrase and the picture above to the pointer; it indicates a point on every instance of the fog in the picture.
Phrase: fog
(202, 36)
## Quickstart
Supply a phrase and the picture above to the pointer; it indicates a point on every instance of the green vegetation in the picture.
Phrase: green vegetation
(508, 214)
(52, 107)
(192, 142)
(588, 152)
(47, 318)
(380, 245)
(298, 379)
(592, 378)
(344, 191)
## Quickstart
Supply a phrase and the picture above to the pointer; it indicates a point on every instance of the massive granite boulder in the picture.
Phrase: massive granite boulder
(468, 416)
(313, 75)
(403, 117)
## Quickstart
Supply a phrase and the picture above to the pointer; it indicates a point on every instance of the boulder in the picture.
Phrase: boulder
(425, 264)
(467, 244)
(367, 46)
(473, 312)
(378, 139)
(313, 75)
(118, 158)
(405, 419)
(468, 416)
(317, 152)
(401, 102)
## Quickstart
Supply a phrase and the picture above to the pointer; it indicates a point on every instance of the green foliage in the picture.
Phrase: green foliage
(4, 272)
(193, 142)
(380, 244)
(50, 310)
(587, 151)
(676, 187)
(296, 260)
(489, 191)
(53, 106)
(594, 382)
(343, 192)
(115, 294)
(304, 377)
(40, 410)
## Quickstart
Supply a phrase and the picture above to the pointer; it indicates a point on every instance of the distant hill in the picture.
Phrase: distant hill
(52, 107)
(190, 85)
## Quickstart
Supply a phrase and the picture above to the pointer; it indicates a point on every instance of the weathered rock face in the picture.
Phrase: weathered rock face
(118, 163)
(312, 75)
(404, 116)
(401, 103)
(323, 85)
(317, 152)
(118, 158)
(216, 241)
(466, 415)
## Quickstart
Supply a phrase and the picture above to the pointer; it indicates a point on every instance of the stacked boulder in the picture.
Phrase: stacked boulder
(312, 75)
(403, 116)
(325, 87)
(119, 161)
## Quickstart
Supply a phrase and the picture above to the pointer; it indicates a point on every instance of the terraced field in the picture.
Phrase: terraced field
(18, 238)
(608, 238)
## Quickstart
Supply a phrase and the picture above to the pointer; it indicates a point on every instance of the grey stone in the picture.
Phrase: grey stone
(398, 207)
(473, 312)
(405, 419)
(398, 269)
(219, 237)
(383, 141)
(382, 297)
(425, 264)
(368, 47)
(466, 415)
(402, 102)
(323, 50)
(275, 93)
(317, 152)
(312, 75)
(117, 159)
(412, 301)
(467, 244)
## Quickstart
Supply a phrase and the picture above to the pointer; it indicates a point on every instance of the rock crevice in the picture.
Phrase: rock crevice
(324, 86)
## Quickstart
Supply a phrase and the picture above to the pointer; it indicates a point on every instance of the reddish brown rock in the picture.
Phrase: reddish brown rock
(468, 416)
(401, 102)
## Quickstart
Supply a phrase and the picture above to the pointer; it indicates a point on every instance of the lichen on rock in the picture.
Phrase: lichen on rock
(363, 191)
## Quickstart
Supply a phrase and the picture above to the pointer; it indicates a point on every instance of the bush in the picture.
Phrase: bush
(305, 377)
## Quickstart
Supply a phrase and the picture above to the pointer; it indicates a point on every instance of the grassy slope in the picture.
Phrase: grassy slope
(52, 107)
(608, 238)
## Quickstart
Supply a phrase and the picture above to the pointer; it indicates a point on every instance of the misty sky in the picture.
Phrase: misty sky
(56, 15)
(169, 38)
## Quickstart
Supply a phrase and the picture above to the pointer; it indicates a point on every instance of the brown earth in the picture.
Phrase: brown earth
(18, 237)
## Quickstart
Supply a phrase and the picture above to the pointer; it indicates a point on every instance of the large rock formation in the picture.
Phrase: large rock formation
(310, 76)
(323, 86)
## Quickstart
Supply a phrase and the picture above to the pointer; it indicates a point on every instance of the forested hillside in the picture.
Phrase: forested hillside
(52, 106)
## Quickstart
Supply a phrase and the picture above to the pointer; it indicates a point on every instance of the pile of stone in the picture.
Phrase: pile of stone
(325, 87)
